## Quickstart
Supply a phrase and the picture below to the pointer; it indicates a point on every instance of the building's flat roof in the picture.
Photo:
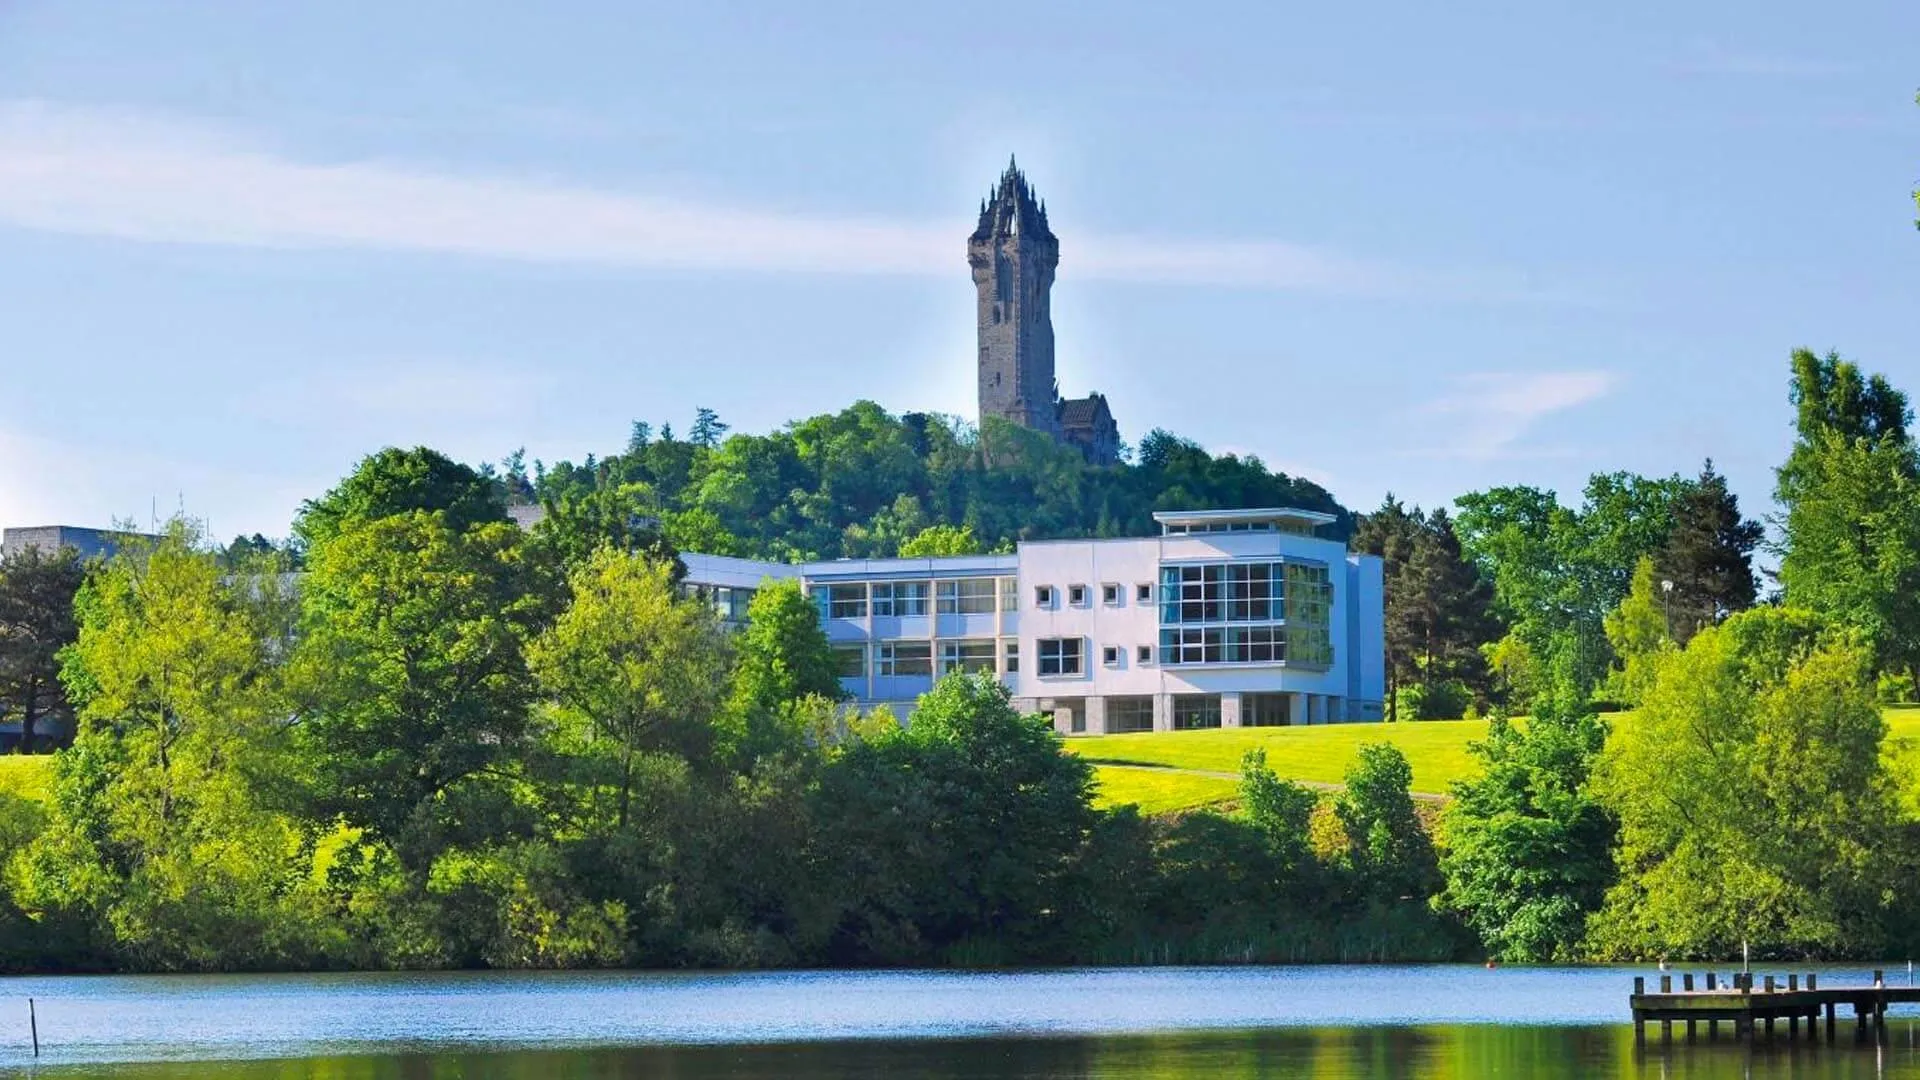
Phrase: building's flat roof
(937, 566)
(1271, 513)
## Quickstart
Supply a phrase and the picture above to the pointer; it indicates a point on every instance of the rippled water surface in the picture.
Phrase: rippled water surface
(1238, 1022)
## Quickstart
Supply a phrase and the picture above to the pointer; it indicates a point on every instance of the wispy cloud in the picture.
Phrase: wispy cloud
(1488, 412)
(1719, 58)
(158, 178)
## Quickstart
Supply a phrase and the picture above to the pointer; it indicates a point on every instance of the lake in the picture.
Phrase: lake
(1326, 1022)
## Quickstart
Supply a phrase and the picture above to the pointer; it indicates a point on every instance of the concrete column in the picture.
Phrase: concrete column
(1229, 710)
(1297, 709)
(1096, 715)
(1163, 712)
(1319, 706)
(1063, 721)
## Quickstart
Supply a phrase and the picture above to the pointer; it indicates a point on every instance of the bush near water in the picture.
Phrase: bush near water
(457, 744)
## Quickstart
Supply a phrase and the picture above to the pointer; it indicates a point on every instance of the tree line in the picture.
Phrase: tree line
(454, 742)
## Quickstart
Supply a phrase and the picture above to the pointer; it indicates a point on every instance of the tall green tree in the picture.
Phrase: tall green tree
(1390, 852)
(1392, 532)
(644, 669)
(163, 836)
(414, 684)
(1708, 556)
(958, 836)
(1638, 632)
(1754, 801)
(396, 481)
(784, 659)
(707, 429)
(1850, 499)
(1528, 857)
(37, 590)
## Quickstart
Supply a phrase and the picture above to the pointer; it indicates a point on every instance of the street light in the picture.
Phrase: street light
(1666, 592)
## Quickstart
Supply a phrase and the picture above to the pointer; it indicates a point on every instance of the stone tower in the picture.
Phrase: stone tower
(1013, 255)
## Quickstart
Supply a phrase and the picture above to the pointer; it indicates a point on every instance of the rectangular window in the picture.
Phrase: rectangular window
(1143, 593)
(1059, 656)
(1224, 592)
(1194, 711)
(1077, 595)
(1009, 594)
(967, 596)
(904, 658)
(967, 656)
(1192, 645)
(850, 661)
(1043, 596)
(900, 598)
(1011, 648)
(847, 602)
(1110, 655)
(1129, 714)
(1144, 655)
(1110, 595)
(1256, 644)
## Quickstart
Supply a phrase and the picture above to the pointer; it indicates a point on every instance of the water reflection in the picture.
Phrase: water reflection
(1413, 1053)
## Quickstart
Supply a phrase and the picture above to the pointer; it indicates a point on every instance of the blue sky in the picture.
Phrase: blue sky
(1399, 246)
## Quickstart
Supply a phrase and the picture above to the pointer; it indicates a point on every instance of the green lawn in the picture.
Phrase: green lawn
(1437, 750)
(29, 776)
(1159, 791)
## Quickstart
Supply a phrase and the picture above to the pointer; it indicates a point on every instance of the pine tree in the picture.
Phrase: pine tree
(1444, 613)
(1708, 557)
(707, 428)
(1390, 532)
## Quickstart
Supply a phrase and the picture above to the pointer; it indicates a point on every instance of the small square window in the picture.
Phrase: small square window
(1110, 655)
(1143, 593)
(1043, 596)
(1110, 595)
(1077, 595)
(1144, 654)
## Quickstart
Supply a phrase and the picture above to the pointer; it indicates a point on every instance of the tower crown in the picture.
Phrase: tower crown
(1012, 210)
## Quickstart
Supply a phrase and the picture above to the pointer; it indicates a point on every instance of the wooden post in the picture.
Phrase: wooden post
(1813, 981)
(1793, 1026)
(1710, 979)
(1769, 984)
(1769, 1027)
(1639, 1028)
(1666, 1030)
(33, 1025)
(1793, 981)
(1666, 984)
(1831, 1009)
(1639, 985)
(1879, 978)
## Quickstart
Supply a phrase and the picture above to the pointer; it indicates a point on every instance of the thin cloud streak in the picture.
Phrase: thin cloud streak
(1492, 411)
(155, 178)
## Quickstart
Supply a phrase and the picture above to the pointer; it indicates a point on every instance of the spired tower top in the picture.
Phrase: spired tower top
(1012, 210)
(1013, 255)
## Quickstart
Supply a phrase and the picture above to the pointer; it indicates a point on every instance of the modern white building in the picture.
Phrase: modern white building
(1228, 618)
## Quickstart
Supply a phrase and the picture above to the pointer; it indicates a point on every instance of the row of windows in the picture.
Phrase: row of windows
(1046, 596)
(1237, 526)
(1190, 711)
(958, 596)
(729, 604)
(924, 658)
(1273, 643)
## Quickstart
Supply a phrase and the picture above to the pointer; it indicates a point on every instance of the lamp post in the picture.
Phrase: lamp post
(1666, 593)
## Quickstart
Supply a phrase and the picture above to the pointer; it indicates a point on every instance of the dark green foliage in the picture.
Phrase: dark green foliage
(396, 481)
(862, 482)
(1708, 556)
(1389, 852)
(955, 839)
(1528, 855)
(37, 590)
(1438, 610)
(783, 659)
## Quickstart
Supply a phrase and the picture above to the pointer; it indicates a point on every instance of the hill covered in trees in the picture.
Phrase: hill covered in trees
(863, 482)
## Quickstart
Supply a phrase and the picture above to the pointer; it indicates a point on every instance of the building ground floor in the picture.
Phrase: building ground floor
(1120, 714)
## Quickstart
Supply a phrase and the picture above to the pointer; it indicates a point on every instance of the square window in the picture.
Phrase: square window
(1143, 593)
(1110, 655)
(1144, 655)
(1043, 596)
(1077, 595)
(850, 661)
(1110, 595)
(1059, 656)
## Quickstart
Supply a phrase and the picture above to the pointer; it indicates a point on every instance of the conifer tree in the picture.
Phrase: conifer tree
(1708, 557)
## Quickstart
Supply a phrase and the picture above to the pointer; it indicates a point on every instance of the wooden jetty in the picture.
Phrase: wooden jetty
(1752, 1007)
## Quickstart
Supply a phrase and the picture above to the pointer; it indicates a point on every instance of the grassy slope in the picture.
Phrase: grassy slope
(31, 776)
(1437, 750)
